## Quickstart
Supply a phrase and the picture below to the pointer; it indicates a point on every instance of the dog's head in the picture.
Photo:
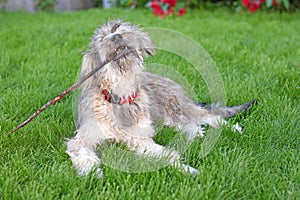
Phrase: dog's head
(117, 37)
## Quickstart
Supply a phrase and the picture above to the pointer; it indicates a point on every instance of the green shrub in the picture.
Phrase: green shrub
(46, 5)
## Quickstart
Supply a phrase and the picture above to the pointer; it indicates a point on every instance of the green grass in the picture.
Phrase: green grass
(258, 56)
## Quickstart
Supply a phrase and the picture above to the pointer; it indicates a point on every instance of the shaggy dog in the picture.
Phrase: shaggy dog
(122, 102)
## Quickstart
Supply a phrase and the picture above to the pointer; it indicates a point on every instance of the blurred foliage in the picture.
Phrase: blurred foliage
(46, 5)
(98, 3)
(283, 5)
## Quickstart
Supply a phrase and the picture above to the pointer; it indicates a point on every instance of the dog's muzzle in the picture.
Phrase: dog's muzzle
(120, 49)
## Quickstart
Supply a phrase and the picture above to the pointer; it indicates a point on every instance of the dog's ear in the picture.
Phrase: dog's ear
(150, 51)
(146, 44)
(89, 62)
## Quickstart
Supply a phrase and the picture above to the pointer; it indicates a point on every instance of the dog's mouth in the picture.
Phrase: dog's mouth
(120, 49)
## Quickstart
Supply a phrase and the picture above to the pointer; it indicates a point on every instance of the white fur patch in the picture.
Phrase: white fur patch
(237, 128)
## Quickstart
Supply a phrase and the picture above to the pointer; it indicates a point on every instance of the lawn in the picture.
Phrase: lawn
(257, 56)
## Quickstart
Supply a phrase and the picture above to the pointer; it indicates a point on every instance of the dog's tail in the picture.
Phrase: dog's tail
(228, 112)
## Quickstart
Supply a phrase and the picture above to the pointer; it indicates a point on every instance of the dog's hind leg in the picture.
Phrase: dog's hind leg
(228, 111)
(213, 115)
(218, 114)
(148, 148)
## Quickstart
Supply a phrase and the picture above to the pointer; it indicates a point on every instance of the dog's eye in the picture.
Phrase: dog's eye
(114, 28)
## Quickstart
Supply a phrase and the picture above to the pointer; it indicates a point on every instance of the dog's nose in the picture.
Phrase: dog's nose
(116, 37)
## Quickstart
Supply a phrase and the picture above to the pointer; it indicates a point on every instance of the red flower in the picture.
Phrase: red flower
(252, 6)
(245, 2)
(156, 9)
(181, 11)
(275, 3)
(163, 8)
(154, 5)
(170, 11)
(159, 12)
(171, 3)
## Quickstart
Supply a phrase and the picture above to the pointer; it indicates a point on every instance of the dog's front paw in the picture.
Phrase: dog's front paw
(85, 161)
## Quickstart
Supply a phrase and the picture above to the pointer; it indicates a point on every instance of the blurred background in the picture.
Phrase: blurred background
(159, 7)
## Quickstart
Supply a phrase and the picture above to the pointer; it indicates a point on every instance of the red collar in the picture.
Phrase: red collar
(116, 99)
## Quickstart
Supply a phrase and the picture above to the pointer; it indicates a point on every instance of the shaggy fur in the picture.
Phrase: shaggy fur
(152, 98)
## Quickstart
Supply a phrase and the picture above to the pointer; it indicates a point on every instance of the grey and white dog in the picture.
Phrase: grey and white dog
(122, 102)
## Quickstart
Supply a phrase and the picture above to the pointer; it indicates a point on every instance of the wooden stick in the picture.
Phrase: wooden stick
(71, 88)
